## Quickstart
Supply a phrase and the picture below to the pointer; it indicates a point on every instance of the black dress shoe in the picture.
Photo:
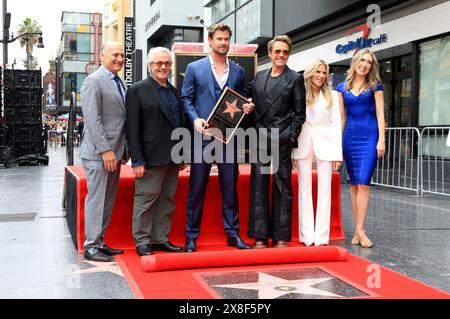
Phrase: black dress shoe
(261, 243)
(96, 254)
(279, 244)
(144, 250)
(168, 246)
(190, 247)
(110, 251)
(237, 242)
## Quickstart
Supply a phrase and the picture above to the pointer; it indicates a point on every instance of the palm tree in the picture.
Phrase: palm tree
(31, 63)
(29, 41)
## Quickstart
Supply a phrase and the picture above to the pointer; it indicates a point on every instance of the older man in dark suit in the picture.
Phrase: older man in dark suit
(153, 112)
(279, 97)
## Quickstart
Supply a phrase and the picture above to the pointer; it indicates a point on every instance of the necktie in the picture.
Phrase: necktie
(118, 84)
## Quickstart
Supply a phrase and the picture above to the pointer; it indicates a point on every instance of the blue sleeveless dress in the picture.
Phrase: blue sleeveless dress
(359, 142)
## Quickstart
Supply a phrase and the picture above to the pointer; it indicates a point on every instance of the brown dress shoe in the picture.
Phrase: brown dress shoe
(279, 243)
(261, 243)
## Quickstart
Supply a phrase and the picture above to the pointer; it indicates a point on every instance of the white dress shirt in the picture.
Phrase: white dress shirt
(224, 78)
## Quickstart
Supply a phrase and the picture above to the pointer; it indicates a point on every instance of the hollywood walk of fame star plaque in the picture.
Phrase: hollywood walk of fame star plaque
(283, 283)
(226, 115)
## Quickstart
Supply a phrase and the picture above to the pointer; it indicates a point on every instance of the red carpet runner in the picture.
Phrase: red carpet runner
(363, 278)
(224, 258)
(212, 233)
(297, 271)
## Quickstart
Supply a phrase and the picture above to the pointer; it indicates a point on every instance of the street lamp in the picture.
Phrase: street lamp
(27, 35)
(6, 24)
(40, 44)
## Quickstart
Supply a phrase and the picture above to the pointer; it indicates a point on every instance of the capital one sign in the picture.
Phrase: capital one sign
(365, 41)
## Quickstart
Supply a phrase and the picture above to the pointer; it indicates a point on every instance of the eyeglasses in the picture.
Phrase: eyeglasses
(284, 52)
(161, 63)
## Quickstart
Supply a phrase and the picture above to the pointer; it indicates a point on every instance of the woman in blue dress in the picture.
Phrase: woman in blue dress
(362, 112)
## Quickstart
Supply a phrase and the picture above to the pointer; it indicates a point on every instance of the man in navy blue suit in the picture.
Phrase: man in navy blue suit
(203, 85)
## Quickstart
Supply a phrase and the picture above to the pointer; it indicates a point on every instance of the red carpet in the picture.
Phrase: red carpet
(224, 258)
(365, 278)
(212, 233)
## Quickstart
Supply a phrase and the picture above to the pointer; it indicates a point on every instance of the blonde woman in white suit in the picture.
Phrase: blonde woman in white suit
(320, 138)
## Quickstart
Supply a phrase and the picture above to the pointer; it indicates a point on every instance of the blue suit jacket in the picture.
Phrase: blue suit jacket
(198, 95)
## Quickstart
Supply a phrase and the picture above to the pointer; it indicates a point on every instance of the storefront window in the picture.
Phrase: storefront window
(92, 41)
(69, 84)
(249, 26)
(83, 28)
(405, 63)
(69, 28)
(386, 73)
(405, 102)
(220, 8)
(177, 35)
(240, 2)
(106, 10)
(72, 81)
(83, 56)
(191, 35)
(83, 43)
(434, 101)
(230, 5)
(70, 43)
(76, 18)
(80, 80)
(230, 21)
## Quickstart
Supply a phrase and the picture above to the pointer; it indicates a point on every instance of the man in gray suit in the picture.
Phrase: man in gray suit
(103, 149)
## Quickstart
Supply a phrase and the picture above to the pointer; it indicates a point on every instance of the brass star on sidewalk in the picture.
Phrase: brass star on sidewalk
(111, 267)
(232, 108)
(271, 287)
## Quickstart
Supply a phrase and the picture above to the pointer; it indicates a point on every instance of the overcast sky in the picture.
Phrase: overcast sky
(48, 14)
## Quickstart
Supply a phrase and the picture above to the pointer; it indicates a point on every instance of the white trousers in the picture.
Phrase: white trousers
(318, 234)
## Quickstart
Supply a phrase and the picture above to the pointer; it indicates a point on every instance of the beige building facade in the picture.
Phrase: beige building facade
(114, 13)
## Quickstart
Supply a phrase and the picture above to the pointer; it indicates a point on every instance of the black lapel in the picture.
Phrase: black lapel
(260, 83)
(285, 79)
(174, 90)
(154, 94)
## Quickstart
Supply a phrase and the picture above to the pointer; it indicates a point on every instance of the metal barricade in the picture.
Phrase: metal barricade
(70, 137)
(70, 128)
(435, 164)
(57, 137)
(400, 166)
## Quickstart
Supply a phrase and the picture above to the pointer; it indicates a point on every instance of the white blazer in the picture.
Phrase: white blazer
(323, 132)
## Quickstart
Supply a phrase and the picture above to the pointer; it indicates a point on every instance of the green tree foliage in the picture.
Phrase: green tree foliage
(29, 41)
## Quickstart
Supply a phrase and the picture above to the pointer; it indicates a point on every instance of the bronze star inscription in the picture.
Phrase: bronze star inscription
(232, 108)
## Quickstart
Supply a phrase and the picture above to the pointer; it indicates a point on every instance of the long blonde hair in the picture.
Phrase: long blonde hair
(325, 89)
(372, 79)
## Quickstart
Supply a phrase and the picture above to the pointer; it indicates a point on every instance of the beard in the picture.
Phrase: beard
(217, 51)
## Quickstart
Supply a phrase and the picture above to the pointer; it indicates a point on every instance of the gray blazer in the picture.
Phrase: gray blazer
(104, 117)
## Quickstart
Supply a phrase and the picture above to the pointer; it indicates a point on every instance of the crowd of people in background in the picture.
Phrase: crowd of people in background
(54, 132)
